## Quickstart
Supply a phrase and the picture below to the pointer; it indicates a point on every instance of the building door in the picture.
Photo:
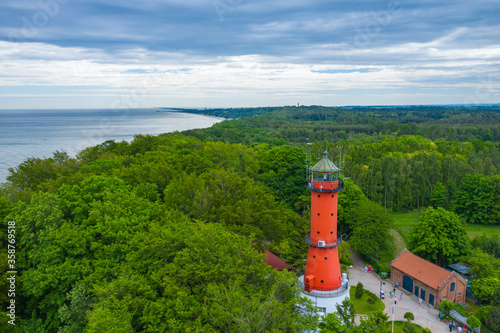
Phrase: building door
(422, 294)
(416, 291)
(431, 299)
(407, 283)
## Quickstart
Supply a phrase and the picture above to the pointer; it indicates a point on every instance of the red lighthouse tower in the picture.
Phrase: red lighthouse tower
(322, 274)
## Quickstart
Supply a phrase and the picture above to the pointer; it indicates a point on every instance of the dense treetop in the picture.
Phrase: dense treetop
(161, 233)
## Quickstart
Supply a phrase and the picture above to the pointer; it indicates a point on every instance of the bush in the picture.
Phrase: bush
(409, 316)
(493, 321)
(483, 312)
(384, 268)
(345, 254)
(446, 306)
(472, 321)
(461, 309)
(359, 290)
(496, 298)
(371, 301)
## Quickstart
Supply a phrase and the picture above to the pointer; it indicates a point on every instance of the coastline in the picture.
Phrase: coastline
(40, 133)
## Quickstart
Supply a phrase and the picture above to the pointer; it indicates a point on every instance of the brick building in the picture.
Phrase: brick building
(426, 280)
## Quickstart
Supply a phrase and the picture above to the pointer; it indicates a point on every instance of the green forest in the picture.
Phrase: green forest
(166, 233)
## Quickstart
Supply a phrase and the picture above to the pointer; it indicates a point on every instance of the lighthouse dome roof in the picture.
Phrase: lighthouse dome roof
(325, 165)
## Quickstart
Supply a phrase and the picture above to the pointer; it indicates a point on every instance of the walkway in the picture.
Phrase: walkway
(409, 303)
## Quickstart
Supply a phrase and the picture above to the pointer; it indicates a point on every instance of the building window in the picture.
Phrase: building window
(459, 294)
(322, 310)
(452, 286)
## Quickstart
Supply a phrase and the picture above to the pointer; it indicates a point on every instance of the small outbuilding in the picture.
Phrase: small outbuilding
(427, 281)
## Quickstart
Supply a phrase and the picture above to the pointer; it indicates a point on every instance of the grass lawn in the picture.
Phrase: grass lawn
(485, 329)
(403, 222)
(474, 230)
(387, 255)
(361, 305)
(398, 327)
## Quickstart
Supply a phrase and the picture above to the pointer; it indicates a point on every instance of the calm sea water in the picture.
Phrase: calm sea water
(39, 133)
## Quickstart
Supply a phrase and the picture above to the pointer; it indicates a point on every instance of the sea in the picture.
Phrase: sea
(39, 133)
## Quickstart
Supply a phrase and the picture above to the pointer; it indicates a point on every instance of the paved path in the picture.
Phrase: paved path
(409, 303)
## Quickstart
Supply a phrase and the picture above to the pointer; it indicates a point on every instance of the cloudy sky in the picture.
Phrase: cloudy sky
(230, 53)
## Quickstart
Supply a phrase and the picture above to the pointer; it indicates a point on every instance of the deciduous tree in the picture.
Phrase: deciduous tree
(474, 199)
(439, 236)
(372, 225)
(485, 288)
(482, 264)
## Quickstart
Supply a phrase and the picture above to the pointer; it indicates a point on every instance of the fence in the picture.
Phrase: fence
(463, 320)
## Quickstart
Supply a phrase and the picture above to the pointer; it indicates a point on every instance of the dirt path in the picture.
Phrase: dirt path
(398, 241)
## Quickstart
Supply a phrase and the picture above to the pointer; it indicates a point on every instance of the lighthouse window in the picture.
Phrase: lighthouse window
(319, 196)
(326, 258)
(317, 232)
(321, 281)
(331, 232)
(318, 214)
(332, 195)
(331, 214)
(314, 256)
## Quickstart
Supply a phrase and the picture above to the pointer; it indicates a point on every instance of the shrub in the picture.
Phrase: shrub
(483, 312)
(409, 316)
(384, 268)
(345, 254)
(371, 301)
(496, 298)
(493, 321)
(446, 306)
(359, 290)
(473, 321)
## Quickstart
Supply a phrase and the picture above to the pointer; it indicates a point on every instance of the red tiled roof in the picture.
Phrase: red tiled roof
(275, 262)
(420, 269)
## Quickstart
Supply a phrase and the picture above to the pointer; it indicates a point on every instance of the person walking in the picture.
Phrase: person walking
(420, 302)
(401, 297)
(450, 326)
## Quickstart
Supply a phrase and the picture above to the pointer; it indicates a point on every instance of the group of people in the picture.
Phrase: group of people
(392, 293)
(460, 329)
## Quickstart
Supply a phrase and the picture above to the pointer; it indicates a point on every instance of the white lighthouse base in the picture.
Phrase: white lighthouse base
(326, 301)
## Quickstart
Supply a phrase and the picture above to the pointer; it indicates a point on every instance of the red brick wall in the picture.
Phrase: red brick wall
(456, 296)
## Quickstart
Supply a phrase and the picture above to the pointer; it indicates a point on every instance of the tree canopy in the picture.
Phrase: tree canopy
(439, 236)
(161, 233)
